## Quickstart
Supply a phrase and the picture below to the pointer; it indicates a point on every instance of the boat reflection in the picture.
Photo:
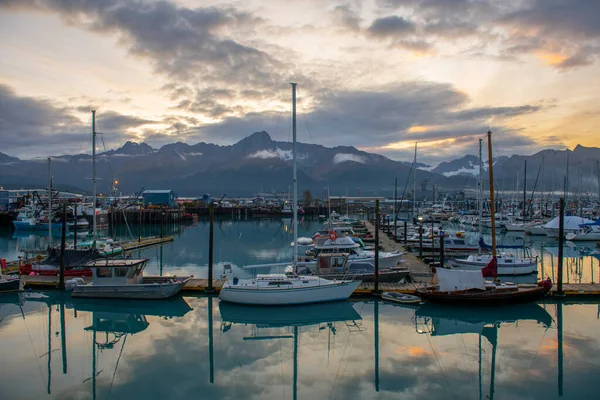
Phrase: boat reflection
(293, 317)
(436, 320)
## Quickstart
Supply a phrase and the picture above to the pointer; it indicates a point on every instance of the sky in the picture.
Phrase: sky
(378, 75)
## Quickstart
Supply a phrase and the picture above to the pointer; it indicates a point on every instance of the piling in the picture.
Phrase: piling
(561, 239)
(63, 238)
(211, 239)
(376, 290)
(441, 249)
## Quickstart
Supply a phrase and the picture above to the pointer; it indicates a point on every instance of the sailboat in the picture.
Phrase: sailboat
(464, 287)
(287, 289)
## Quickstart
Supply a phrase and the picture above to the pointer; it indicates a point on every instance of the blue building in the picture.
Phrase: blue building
(158, 197)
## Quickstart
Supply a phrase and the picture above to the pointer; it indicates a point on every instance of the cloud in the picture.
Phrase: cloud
(276, 153)
(39, 126)
(343, 157)
(391, 26)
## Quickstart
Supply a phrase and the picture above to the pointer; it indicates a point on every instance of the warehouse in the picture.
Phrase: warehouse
(158, 197)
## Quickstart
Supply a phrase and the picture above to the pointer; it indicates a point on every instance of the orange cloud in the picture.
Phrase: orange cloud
(551, 58)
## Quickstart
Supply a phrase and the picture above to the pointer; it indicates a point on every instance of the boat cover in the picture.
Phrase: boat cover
(570, 223)
(450, 280)
(73, 257)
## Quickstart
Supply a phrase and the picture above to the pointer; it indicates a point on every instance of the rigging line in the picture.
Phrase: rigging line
(439, 362)
(37, 359)
(304, 114)
(112, 175)
(410, 173)
(116, 366)
(331, 395)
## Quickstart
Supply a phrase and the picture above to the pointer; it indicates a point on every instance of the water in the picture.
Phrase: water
(53, 346)
(257, 241)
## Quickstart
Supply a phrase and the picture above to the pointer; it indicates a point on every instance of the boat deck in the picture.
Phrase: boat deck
(197, 285)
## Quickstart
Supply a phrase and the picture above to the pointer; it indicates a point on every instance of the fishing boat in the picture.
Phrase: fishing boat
(400, 298)
(464, 287)
(25, 219)
(282, 289)
(124, 279)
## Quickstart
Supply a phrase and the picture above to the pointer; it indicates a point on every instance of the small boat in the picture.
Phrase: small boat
(400, 298)
(507, 264)
(123, 279)
(281, 289)
(9, 283)
(457, 287)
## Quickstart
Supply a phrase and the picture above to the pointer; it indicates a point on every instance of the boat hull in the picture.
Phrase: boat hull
(484, 298)
(288, 296)
(153, 290)
(10, 285)
(503, 270)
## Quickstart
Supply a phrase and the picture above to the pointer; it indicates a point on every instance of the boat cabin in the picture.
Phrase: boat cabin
(332, 263)
(117, 272)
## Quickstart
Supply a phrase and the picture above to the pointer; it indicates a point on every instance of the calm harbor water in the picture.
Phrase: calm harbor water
(53, 346)
(256, 241)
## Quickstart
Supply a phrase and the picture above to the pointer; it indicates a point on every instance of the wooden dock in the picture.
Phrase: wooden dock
(146, 242)
(199, 286)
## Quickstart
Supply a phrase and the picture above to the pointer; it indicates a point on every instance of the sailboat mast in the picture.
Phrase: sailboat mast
(415, 184)
(49, 203)
(492, 205)
(95, 227)
(525, 191)
(295, 179)
(480, 197)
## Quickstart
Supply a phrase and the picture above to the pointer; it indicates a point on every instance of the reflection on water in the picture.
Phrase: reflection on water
(53, 346)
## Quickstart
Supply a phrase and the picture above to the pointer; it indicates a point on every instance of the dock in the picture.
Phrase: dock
(199, 286)
(146, 242)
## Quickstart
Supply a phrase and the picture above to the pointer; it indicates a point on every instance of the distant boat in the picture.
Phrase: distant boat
(9, 283)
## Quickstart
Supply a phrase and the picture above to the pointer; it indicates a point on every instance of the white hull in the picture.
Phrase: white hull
(514, 227)
(139, 291)
(503, 269)
(387, 260)
(594, 236)
(536, 231)
(287, 296)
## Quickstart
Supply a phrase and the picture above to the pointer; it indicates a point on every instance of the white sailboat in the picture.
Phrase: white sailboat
(280, 289)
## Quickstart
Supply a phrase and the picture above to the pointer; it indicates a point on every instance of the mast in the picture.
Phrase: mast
(295, 179)
(480, 197)
(524, 191)
(492, 205)
(49, 203)
(95, 227)
(415, 184)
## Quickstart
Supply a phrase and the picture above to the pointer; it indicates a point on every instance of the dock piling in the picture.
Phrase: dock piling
(211, 239)
(561, 239)
(63, 238)
(376, 290)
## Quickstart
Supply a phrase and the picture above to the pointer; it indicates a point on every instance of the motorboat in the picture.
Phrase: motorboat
(345, 244)
(507, 264)
(401, 298)
(282, 289)
(106, 246)
(338, 266)
(75, 262)
(25, 219)
(9, 283)
(124, 279)
(587, 232)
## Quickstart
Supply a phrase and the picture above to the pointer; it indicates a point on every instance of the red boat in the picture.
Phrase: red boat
(75, 263)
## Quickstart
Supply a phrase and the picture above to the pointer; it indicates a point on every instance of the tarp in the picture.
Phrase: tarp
(571, 223)
(73, 258)
(450, 280)
(596, 223)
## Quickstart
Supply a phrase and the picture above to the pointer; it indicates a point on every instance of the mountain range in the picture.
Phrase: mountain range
(258, 164)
